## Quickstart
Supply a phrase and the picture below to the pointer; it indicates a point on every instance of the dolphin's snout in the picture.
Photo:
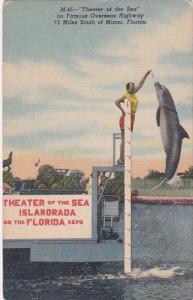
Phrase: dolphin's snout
(157, 84)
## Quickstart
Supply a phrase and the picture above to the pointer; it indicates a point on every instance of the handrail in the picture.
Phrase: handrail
(101, 194)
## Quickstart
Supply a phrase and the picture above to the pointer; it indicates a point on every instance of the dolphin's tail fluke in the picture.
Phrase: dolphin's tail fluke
(164, 180)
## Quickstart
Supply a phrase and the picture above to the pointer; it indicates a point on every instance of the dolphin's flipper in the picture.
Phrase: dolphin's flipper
(158, 116)
(183, 133)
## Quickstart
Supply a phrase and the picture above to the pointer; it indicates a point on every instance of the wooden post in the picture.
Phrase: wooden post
(127, 187)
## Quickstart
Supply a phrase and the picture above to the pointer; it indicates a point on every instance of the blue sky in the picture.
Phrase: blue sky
(60, 82)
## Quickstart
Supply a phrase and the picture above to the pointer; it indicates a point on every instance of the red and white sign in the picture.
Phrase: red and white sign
(47, 216)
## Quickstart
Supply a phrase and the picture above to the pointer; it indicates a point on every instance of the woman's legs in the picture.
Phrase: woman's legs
(121, 124)
(122, 146)
(132, 120)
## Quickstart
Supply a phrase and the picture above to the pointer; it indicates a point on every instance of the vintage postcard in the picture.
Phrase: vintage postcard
(97, 149)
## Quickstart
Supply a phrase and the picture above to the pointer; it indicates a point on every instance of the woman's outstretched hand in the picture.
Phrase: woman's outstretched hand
(148, 72)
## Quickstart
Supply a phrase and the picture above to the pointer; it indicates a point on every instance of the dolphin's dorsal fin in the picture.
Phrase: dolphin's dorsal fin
(183, 133)
(158, 116)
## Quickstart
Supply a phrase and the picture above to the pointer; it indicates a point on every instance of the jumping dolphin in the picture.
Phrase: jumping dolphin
(172, 133)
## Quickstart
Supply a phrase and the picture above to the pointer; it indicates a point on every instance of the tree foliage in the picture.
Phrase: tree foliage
(8, 178)
(189, 172)
(48, 178)
(78, 174)
(116, 185)
(153, 174)
(47, 175)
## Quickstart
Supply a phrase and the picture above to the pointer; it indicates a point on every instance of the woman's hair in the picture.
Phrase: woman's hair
(129, 84)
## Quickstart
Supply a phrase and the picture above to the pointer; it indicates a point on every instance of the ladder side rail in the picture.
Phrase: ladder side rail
(104, 187)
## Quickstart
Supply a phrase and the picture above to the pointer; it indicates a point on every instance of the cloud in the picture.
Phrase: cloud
(42, 120)
(160, 39)
(35, 81)
(142, 51)
(32, 80)
(82, 99)
(62, 134)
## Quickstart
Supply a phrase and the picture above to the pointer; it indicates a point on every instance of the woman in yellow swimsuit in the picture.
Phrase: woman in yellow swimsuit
(130, 92)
